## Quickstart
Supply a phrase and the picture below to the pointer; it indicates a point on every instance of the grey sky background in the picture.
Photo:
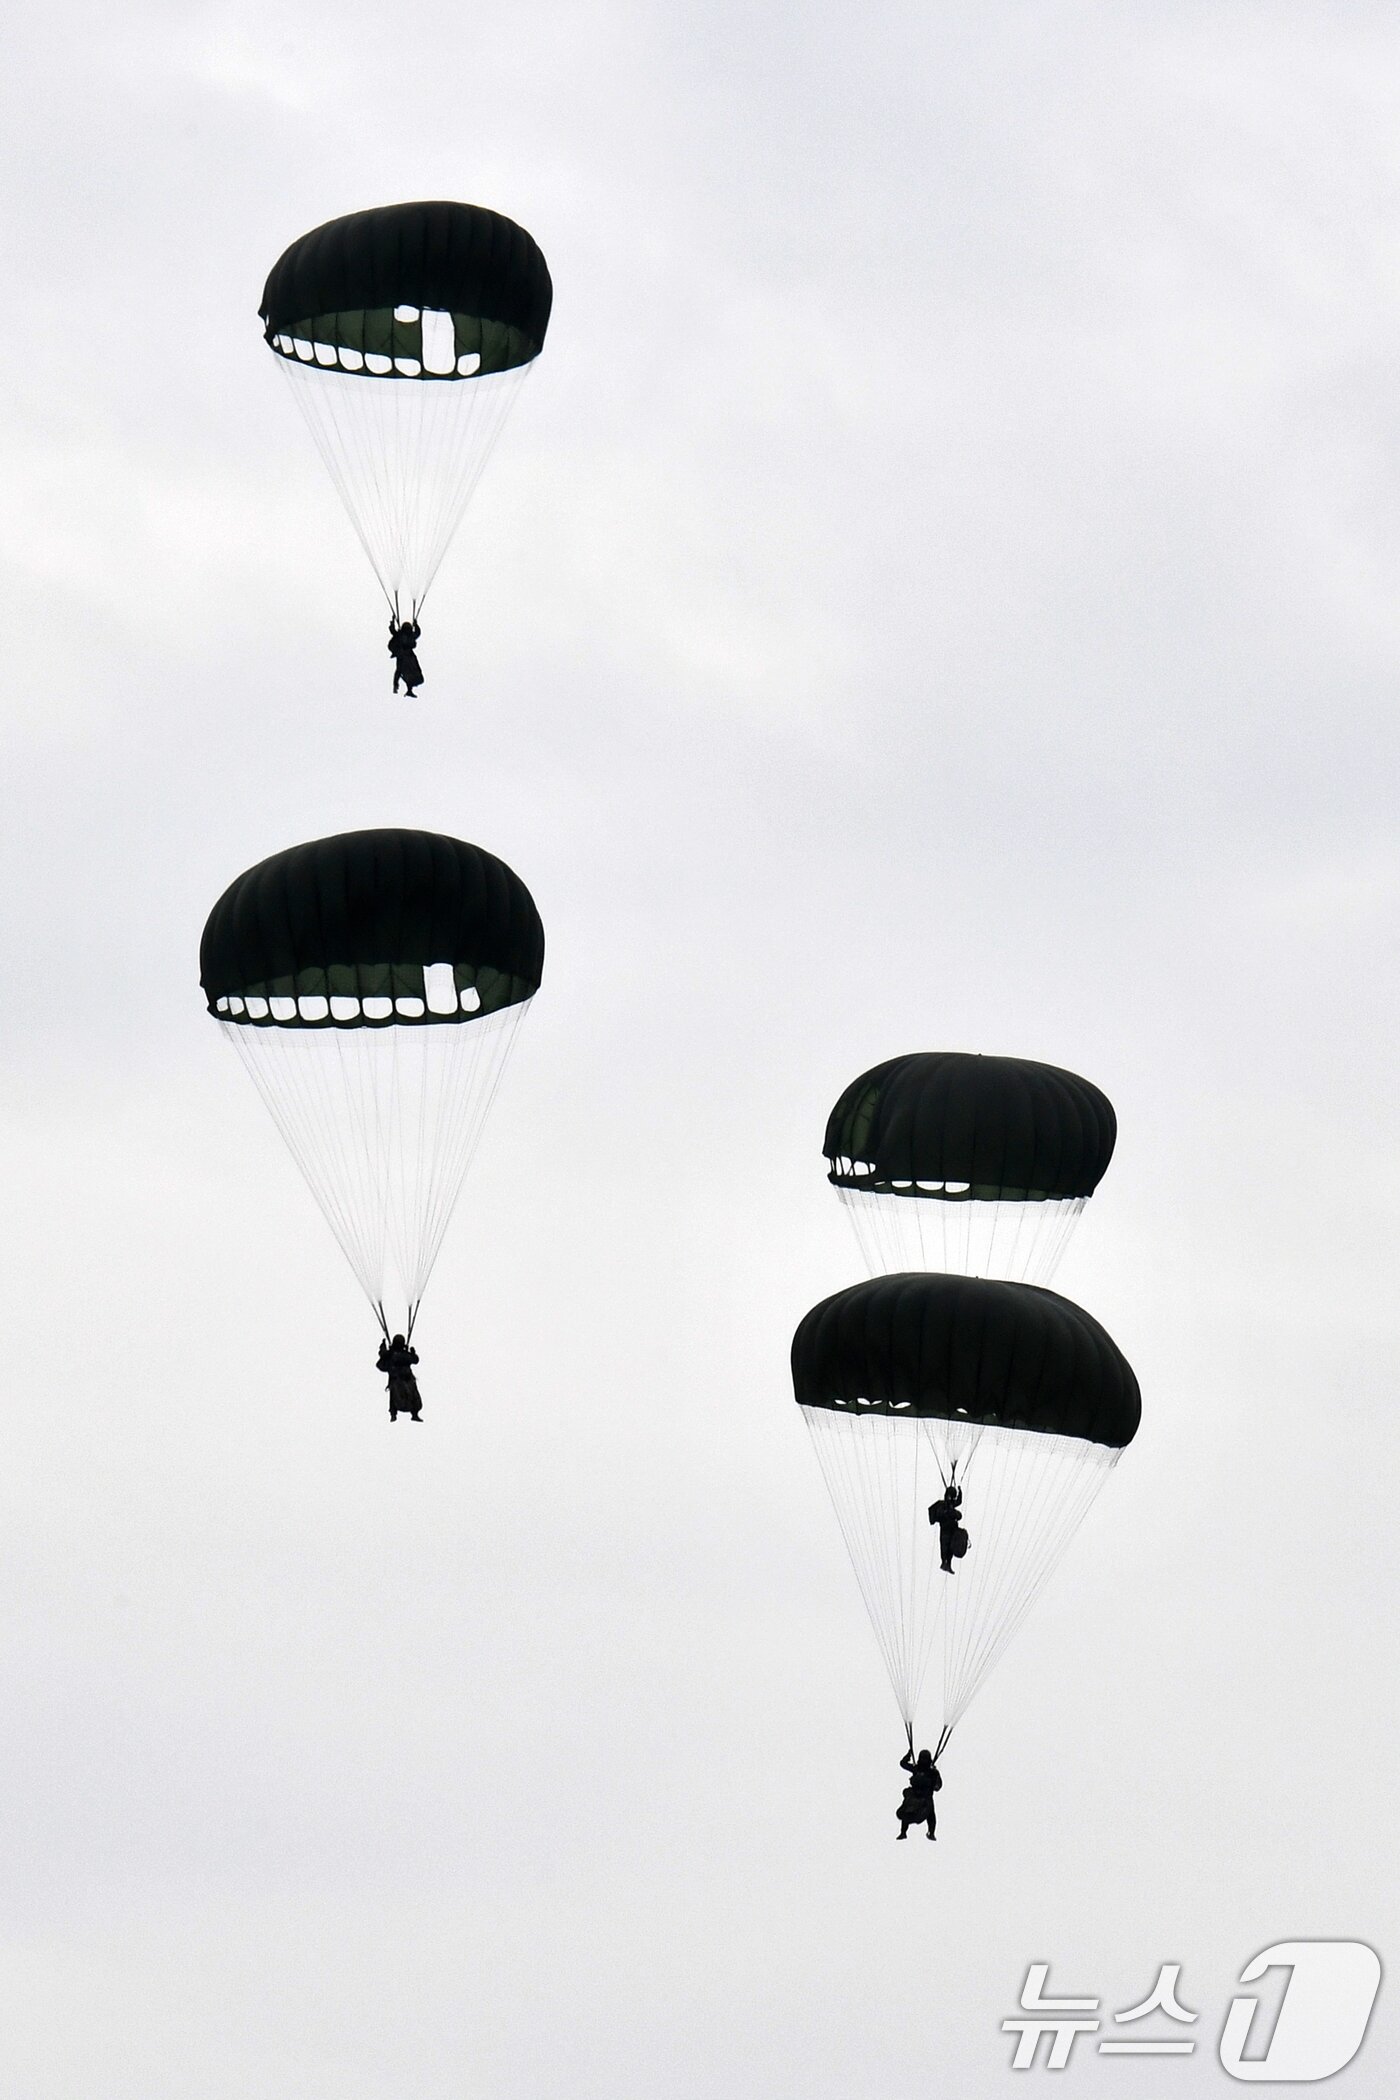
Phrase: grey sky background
(937, 589)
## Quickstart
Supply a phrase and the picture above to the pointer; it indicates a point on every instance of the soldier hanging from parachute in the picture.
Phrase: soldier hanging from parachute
(396, 1361)
(946, 1513)
(372, 984)
(904, 1377)
(405, 334)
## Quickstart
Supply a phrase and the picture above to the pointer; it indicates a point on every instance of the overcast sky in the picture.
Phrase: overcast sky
(938, 590)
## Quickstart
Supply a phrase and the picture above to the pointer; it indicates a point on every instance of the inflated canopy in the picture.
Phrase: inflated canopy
(964, 1349)
(342, 285)
(343, 932)
(996, 1128)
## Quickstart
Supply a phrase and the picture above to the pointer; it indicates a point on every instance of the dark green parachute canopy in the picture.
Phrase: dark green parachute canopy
(339, 286)
(960, 1348)
(357, 919)
(1000, 1128)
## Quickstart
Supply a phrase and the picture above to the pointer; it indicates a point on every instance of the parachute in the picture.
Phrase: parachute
(979, 1165)
(905, 1378)
(372, 984)
(405, 334)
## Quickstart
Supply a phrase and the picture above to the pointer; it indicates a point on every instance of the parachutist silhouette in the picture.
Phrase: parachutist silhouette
(396, 1360)
(925, 1780)
(947, 1515)
(403, 640)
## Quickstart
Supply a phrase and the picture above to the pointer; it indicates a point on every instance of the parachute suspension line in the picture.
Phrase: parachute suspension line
(1071, 1497)
(1032, 1493)
(405, 455)
(294, 1089)
(997, 1519)
(383, 1123)
(1022, 1241)
(463, 438)
(909, 1732)
(356, 475)
(444, 1082)
(870, 1463)
(451, 1123)
(1029, 1504)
